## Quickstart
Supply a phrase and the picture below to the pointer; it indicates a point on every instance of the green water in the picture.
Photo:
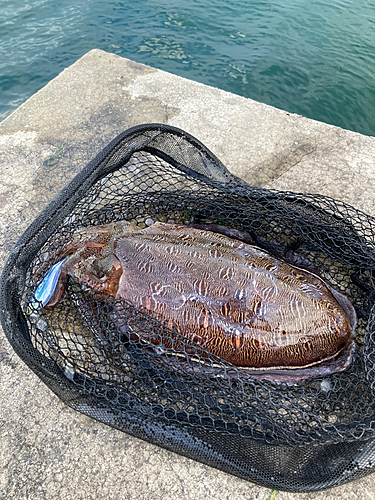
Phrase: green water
(311, 58)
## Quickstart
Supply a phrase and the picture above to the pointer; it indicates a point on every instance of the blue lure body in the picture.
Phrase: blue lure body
(47, 287)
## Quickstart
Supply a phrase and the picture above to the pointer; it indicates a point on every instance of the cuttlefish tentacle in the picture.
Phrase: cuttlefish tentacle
(80, 257)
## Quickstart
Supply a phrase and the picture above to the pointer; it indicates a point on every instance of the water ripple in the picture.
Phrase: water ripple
(310, 58)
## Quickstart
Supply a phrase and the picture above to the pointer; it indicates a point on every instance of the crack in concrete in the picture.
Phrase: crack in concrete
(275, 166)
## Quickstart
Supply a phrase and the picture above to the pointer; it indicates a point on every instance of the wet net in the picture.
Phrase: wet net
(112, 361)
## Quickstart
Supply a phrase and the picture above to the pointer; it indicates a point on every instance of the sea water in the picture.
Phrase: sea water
(315, 58)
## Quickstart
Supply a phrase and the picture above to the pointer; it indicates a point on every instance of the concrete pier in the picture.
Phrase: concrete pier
(48, 451)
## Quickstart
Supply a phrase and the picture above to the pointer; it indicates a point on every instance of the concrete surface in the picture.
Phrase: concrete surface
(48, 450)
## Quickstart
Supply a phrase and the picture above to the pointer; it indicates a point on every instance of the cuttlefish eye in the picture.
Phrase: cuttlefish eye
(47, 287)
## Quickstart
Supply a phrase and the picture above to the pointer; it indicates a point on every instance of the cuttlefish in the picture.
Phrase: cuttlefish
(268, 318)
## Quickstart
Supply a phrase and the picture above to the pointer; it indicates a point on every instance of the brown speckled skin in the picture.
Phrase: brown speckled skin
(234, 299)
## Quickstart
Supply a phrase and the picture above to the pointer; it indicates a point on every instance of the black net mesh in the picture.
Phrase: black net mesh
(309, 436)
